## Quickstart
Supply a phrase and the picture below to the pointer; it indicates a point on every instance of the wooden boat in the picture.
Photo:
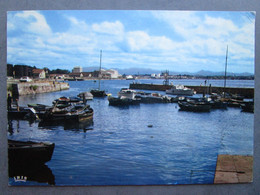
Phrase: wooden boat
(153, 98)
(68, 113)
(98, 92)
(194, 107)
(22, 113)
(38, 107)
(20, 152)
(248, 107)
(88, 95)
(123, 101)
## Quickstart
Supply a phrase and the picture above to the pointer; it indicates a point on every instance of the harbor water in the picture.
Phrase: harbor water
(144, 144)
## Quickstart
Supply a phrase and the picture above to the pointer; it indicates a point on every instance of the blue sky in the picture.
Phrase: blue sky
(162, 40)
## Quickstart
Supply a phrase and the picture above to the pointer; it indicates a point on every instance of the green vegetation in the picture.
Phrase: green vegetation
(34, 87)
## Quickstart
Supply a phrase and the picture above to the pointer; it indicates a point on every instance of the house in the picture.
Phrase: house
(39, 73)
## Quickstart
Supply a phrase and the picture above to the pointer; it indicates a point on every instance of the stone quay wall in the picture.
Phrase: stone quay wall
(26, 88)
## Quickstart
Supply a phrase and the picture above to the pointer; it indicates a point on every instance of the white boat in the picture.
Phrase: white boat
(180, 90)
(127, 93)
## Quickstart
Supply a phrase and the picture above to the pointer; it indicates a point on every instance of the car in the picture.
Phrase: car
(25, 79)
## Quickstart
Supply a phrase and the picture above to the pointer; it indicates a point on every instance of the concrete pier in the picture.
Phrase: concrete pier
(234, 169)
(26, 88)
(246, 92)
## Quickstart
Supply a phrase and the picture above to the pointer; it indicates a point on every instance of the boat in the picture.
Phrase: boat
(248, 107)
(88, 95)
(127, 93)
(38, 107)
(194, 107)
(153, 98)
(130, 77)
(123, 101)
(63, 111)
(180, 90)
(22, 113)
(125, 97)
(98, 92)
(29, 153)
(70, 113)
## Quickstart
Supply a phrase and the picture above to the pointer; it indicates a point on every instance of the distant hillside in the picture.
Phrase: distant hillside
(142, 71)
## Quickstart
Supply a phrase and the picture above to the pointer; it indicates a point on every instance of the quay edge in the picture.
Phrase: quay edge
(28, 88)
(246, 92)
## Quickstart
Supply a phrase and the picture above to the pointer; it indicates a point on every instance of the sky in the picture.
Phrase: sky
(179, 41)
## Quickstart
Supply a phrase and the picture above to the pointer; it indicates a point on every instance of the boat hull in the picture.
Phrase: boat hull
(185, 106)
(27, 153)
(113, 101)
(98, 93)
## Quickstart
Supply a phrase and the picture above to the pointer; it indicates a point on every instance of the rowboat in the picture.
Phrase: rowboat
(28, 152)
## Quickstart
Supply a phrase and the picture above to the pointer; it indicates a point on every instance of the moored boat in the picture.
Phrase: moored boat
(153, 98)
(98, 93)
(180, 90)
(122, 101)
(86, 95)
(73, 113)
(194, 107)
(127, 93)
(28, 152)
(64, 111)
(22, 113)
(248, 107)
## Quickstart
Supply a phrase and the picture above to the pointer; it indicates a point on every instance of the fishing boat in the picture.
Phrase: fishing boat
(180, 90)
(123, 101)
(248, 107)
(38, 107)
(22, 113)
(87, 95)
(125, 97)
(127, 93)
(153, 98)
(65, 111)
(98, 92)
(28, 152)
(73, 113)
(194, 107)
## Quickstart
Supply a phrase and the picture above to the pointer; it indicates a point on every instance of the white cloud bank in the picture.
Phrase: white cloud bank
(196, 41)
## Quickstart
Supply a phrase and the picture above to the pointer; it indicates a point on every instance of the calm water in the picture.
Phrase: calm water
(180, 148)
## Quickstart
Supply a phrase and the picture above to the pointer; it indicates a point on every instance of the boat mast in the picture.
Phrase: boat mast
(99, 74)
(225, 73)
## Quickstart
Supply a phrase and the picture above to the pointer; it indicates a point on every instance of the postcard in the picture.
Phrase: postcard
(130, 97)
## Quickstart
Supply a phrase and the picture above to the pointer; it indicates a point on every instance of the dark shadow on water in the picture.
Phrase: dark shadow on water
(40, 173)
(68, 125)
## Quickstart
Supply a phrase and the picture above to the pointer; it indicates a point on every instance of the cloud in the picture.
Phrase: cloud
(112, 28)
(193, 40)
(29, 22)
(142, 41)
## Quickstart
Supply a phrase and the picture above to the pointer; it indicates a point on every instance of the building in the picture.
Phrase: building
(113, 73)
(39, 73)
(77, 69)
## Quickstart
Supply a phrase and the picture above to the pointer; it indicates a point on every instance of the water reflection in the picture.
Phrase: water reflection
(40, 173)
(68, 125)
